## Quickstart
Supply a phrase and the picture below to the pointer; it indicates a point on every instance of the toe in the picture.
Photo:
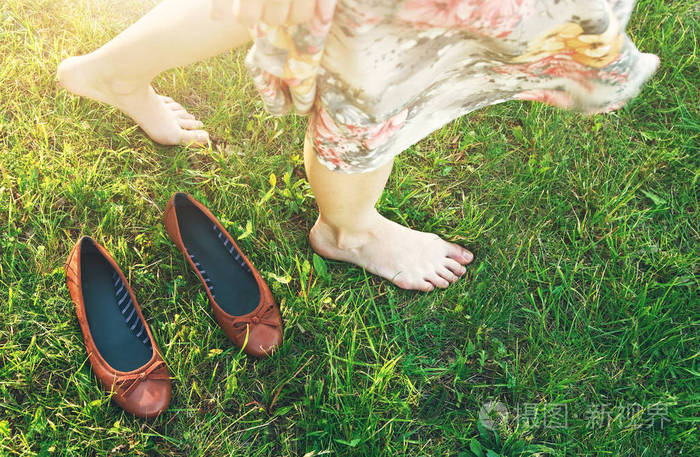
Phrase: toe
(167, 99)
(194, 138)
(454, 266)
(461, 255)
(438, 281)
(447, 275)
(175, 106)
(425, 286)
(421, 285)
(190, 124)
(184, 115)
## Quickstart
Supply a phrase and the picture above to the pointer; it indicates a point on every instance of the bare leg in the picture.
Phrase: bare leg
(174, 33)
(350, 229)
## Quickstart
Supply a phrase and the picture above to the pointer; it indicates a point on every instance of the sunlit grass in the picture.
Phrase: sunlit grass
(584, 290)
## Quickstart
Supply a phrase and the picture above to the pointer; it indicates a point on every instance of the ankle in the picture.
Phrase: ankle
(121, 86)
(347, 236)
(92, 71)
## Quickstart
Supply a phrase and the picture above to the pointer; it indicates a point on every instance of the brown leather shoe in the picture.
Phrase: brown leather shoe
(122, 352)
(241, 300)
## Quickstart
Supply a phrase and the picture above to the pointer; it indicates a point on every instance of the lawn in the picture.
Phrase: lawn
(580, 316)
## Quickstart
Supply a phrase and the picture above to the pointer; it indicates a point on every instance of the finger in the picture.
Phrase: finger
(247, 12)
(301, 11)
(276, 12)
(220, 9)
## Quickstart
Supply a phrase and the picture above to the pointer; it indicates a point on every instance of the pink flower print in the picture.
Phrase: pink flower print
(495, 18)
(321, 21)
(550, 97)
(271, 86)
(435, 13)
(561, 65)
(325, 127)
(379, 134)
(371, 137)
(331, 141)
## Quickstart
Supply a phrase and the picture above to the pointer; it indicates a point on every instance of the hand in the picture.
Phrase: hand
(271, 12)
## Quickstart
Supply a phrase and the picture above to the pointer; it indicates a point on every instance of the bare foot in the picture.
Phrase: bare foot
(408, 258)
(164, 121)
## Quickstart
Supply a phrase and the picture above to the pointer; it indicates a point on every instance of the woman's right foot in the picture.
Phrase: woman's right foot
(408, 258)
(161, 118)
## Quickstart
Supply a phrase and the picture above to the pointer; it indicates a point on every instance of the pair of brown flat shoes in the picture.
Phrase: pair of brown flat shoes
(120, 345)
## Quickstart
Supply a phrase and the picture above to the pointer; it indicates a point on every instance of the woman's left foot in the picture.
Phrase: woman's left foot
(161, 118)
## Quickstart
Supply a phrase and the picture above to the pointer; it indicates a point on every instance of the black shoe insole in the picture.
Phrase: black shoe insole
(116, 328)
(229, 279)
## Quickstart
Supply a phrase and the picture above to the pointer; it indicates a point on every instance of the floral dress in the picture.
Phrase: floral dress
(377, 76)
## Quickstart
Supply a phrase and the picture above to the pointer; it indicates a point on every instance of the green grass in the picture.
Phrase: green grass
(584, 291)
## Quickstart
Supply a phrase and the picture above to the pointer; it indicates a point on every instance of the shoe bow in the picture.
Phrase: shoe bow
(264, 316)
(128, 383)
